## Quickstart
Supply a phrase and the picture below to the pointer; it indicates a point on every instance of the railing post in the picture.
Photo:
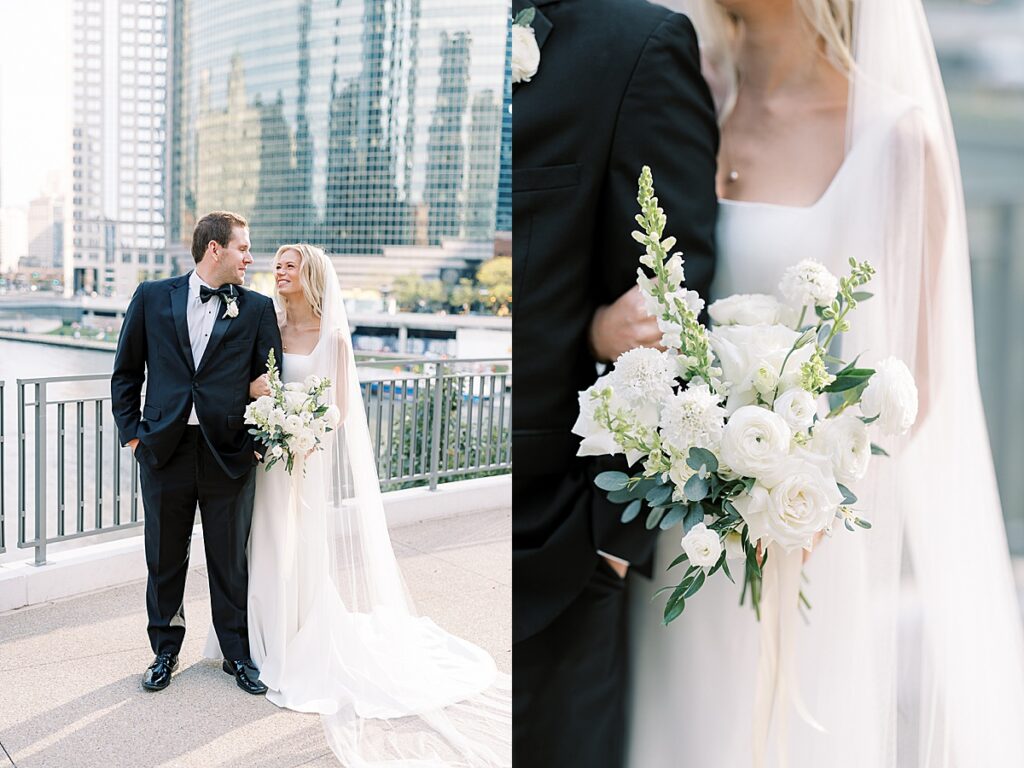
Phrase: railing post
(435, 437)
(40, 473)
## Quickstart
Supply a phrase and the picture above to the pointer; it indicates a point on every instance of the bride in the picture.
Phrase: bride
(331, 626)
(836, 142)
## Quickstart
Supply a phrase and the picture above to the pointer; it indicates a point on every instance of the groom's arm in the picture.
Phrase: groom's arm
(667, 121)
(129, 369)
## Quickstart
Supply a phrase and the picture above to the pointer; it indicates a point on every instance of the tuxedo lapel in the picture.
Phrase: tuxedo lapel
(179, 311)
(220, 327)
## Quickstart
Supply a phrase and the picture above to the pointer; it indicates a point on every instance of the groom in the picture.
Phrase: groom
(197, 340)
(618, 86)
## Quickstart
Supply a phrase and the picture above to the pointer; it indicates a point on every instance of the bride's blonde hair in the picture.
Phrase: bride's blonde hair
(831, 20)
(313, 266)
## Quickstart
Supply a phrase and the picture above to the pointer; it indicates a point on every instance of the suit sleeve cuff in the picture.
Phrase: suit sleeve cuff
(614, 558)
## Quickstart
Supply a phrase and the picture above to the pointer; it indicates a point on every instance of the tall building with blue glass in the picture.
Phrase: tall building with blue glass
(355, 124)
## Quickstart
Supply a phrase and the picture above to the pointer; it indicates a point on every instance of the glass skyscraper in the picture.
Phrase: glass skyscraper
(354, 124)
(118, 209)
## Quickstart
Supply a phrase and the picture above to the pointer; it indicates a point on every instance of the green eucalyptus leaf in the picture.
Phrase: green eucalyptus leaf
(878, 450)
(699, 457)
(675, 515)
(659, 495)
(611, 481)
(848, 495)
(696, 488)
(694, 515)
(630, 513)
(654, 517)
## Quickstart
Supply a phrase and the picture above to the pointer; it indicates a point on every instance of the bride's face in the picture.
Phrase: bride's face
(287, 274)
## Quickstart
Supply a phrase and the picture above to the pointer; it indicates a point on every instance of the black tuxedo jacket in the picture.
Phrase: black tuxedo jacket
(154, 347)
(618, 87)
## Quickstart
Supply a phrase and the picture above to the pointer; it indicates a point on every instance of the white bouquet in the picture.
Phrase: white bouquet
(292, 420)
(750, 435)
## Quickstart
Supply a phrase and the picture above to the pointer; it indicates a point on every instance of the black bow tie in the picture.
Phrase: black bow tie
(225, 292)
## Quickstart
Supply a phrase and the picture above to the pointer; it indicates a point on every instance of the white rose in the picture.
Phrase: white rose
(303, 441)
(765, 380)
(891, 395)
(734, 546)
(844, 440)
(702, 546)
(277, 452)
(743, 350)
(293, 424)
(797, 407)
(809, 282)
(333, 416)
(802, 501)
(319, 427)
(747, 309)
(525, 53)
(312, 382)
(755, 441)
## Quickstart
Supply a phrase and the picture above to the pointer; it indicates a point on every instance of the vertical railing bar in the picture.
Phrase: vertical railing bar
(41, 512)
(379, 410)
(491, 443)
(435, 426)
(80, 464)
(455, 461)
(99, 465)
(401, 432)
(3, 473)
(117, 477)
(501, 420)
(476, 453)
(60, 469)
(22, 502)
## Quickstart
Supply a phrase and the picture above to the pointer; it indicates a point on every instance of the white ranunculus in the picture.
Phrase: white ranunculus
(891, 395)
(333, 416)
(747, 309)
(755, 441)
(734, 546)
(304, 440)
(802, 501)
(293, 424)
(797, 408)
(644, 378)
(525, 53)
(277, 452)
(743, 350)
(319, 427)
(702, 546)
(597, 441)
(693, 418)
(845, 441)
(765, 380)
(809, 282)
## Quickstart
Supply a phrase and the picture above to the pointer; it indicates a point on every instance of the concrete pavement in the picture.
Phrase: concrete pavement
(70, 669)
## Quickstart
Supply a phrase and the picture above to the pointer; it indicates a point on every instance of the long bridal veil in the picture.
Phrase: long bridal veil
(913, 655)
(408, 692)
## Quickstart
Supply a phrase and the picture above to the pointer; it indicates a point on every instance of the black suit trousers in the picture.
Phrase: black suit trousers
(170, 494)
(570, 682)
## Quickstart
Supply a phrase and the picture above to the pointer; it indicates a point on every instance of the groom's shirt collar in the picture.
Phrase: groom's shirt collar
(194, 283)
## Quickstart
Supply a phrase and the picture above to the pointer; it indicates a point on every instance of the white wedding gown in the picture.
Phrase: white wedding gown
(692, 694)
(377, 664)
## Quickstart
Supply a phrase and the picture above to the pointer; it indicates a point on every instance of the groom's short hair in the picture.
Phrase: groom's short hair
(216, 225)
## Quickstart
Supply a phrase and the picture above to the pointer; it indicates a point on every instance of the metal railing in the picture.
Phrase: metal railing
(3, 473)
(430, 421)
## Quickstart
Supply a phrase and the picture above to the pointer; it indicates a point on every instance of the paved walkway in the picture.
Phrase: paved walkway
(70, 670)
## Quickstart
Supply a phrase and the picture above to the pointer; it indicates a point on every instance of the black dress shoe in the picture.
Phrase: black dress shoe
(246, 675)
(158, 676)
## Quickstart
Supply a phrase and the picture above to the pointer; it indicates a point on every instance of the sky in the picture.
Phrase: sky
(35, 86)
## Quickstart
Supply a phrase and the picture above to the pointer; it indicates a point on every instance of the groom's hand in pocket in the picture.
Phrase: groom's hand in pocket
(622, 325)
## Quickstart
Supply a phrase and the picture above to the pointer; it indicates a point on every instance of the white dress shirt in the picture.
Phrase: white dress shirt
(201, 318)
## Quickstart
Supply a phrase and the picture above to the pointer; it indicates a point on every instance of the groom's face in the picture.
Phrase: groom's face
(234, 258)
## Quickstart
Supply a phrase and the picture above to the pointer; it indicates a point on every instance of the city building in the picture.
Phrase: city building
(13, 238)
(373, 128)
(119, 144)
(45, 233)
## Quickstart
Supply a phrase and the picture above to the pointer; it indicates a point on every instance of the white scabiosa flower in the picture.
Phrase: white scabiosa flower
(844, 440)
(809, 282)
(702, 546)
(693, 418)
(797, 408)
(644, 378)
(891, 395)
(755, 441)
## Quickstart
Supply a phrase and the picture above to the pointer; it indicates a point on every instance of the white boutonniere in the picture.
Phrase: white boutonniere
(525, 51)
(230, 306)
